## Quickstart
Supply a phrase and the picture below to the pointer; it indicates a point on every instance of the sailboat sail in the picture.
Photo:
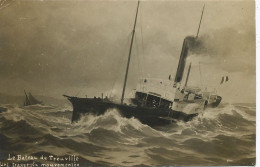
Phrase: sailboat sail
(30, 100)
(27, 102)
(33, 100)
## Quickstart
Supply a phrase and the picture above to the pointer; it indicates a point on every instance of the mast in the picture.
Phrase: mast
(129, 56)
(200, 22)
(188, 74)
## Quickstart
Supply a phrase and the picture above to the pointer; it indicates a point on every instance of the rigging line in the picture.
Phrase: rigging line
(66, 91)
(82, 91)
(138, 58)
(200, 77)
(120, 62)
(72, 90)
(116, 78)
(143, 61)
(79, 90)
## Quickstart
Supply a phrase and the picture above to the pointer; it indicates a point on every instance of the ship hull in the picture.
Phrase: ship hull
(148, 116)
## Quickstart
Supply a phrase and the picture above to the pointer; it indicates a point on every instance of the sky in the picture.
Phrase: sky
(81, 47)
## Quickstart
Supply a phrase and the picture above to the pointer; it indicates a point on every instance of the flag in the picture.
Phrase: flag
(224, 79)
(170, 77)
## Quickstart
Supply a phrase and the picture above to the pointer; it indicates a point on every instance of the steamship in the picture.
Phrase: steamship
(156, 102)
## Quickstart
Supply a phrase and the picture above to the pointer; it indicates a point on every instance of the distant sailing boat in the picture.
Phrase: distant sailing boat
(156, 102)
(30, 100)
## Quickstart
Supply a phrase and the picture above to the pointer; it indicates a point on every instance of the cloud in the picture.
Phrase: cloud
(58, 45)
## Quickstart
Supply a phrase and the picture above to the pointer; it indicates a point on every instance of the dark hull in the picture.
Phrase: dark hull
(148, 116)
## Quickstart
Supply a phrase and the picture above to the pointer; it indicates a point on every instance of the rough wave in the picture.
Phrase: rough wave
(218, 136)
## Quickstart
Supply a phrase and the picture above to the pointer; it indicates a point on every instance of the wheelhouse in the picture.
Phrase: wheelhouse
(154, 93)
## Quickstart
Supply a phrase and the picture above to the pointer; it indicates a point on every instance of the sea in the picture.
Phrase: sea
(43, 135)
